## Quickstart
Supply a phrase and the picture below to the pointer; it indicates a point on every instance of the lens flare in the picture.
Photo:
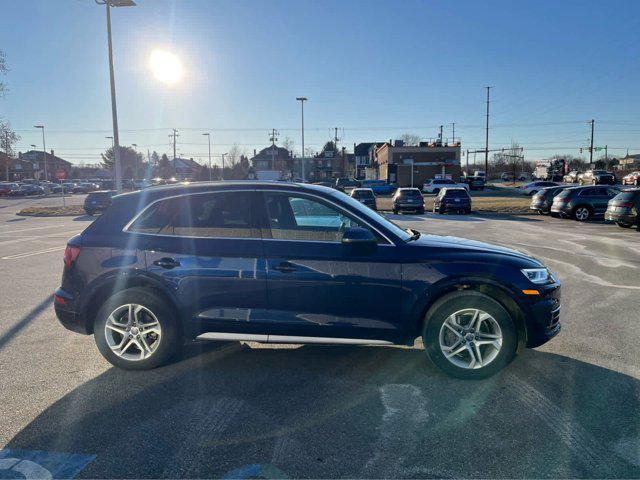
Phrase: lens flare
(166, 66)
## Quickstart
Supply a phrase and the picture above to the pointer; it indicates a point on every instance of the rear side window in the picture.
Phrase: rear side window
(626, 196)
(565, 193)
(220, 215)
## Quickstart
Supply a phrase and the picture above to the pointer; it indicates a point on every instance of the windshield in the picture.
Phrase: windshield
(366, 212)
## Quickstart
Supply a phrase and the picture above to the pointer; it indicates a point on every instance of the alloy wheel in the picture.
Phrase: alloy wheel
(470, 338)
(133, 332)
(582, 214)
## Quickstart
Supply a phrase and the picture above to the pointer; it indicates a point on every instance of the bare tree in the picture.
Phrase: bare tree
(410, 139)
(288, 143)
(235, 152)
(8, 138)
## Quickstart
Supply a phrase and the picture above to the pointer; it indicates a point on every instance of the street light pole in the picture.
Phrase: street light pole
(222, 174)
(44, 152)
(302, 100)
(208, 135)
(114, 110)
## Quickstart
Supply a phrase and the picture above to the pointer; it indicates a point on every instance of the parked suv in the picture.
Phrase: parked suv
(408, 199)
(437, 184)
(541, 202)
(365, 196)
(583, 203)
(452, 200)
(98, 201)
(289, 263)
(596, 177)
(624, 209)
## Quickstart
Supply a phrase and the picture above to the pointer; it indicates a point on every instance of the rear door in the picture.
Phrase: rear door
(206, 248)
(600, 199)
(316, 285)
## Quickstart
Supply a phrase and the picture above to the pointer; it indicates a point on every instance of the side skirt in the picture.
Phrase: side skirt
(289, 339)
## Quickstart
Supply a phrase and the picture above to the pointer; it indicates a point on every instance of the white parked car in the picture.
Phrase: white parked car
(534, 187)
(437, 184)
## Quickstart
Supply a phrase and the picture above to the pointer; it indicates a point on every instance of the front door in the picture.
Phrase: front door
(206, 248)
(317, 286)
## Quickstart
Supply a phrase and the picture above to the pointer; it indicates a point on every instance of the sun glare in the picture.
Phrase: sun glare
(166, 66)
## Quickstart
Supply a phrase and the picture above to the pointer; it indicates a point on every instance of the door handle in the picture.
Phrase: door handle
(167, 262)
(285, 267)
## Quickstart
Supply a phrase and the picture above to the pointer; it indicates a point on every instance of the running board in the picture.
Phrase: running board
(248, 337)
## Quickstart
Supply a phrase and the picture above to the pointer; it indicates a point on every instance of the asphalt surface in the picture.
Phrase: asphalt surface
(567, 409)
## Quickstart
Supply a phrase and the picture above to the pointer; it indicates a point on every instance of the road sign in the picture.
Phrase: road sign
(60, 174)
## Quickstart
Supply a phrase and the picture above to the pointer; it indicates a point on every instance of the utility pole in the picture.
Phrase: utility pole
(135, 149)
(591, 147)
(208, 135)
(453, 135)
(222, 174)
(486, 139)
(468, 161)
(441, 139)
(273, 139)
(174, 135)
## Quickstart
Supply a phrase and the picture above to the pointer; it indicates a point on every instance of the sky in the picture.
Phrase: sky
(374, 69)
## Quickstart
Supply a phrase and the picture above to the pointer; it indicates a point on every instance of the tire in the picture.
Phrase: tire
(623, 225)
(421, 211)
(637, 182)
(497, 321)
(436, 191)
(593, 182)
(582, 213)
(164, 326)
(395, 211)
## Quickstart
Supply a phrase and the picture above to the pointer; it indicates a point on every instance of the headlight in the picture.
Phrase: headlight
(536, 275)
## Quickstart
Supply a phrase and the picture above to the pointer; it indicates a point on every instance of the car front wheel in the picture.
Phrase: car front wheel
(136, 329)
(469, 335)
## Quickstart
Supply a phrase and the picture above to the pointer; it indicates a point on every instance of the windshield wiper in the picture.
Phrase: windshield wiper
(414, 234)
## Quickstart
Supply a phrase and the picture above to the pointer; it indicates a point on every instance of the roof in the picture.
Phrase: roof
(362, 149)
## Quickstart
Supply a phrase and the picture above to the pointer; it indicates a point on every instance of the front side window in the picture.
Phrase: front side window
(294, 217)
(224, 214)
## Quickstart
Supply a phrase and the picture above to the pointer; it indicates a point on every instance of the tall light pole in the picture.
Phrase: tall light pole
(114, 110)
(44, 152)
(208, 135)
(302, 100)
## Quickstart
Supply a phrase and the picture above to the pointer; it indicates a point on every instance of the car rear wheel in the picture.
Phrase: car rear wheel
(136, 330)
(623, 225)
(582, 214)
(469, 335)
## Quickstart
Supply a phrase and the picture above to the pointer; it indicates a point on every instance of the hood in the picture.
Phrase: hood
(470, 246)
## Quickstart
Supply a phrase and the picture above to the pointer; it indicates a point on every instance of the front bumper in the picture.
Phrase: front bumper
(542, 317)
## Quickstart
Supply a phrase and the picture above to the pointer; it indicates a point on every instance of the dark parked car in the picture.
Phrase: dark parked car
(624, 209)
(541, 202)
(27, 190)
(344, 183)
(596, 177)
(365, 196)
(98, 201)
(408, 199)
(5, 188)
(475, 182)
(452, 200)
(288, 263)
(583, 203)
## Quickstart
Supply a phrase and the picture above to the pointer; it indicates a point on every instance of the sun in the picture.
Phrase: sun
(166, 66)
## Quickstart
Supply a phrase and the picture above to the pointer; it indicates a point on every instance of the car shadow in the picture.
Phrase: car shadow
(84, 218)
(239, 411)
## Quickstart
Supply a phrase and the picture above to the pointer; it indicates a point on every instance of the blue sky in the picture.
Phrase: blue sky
(375, 69)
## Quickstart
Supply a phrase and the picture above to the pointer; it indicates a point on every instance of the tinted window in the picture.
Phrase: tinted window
(293, 217)
(362, 194)
(409, 193)
(565, 193)
(600, 191)
(456, 194)
(225, 214)
(626, 196)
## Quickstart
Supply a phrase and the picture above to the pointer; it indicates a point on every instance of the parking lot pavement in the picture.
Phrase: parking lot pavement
(11, 205)
(567, 409)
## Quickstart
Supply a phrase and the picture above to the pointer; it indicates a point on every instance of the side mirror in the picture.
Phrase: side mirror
(358, 236)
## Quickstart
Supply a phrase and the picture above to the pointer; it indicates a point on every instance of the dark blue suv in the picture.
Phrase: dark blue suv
(288, 263)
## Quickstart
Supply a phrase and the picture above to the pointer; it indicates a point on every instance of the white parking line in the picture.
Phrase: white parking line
(34, 228)
(30, 254)
(66, 234)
